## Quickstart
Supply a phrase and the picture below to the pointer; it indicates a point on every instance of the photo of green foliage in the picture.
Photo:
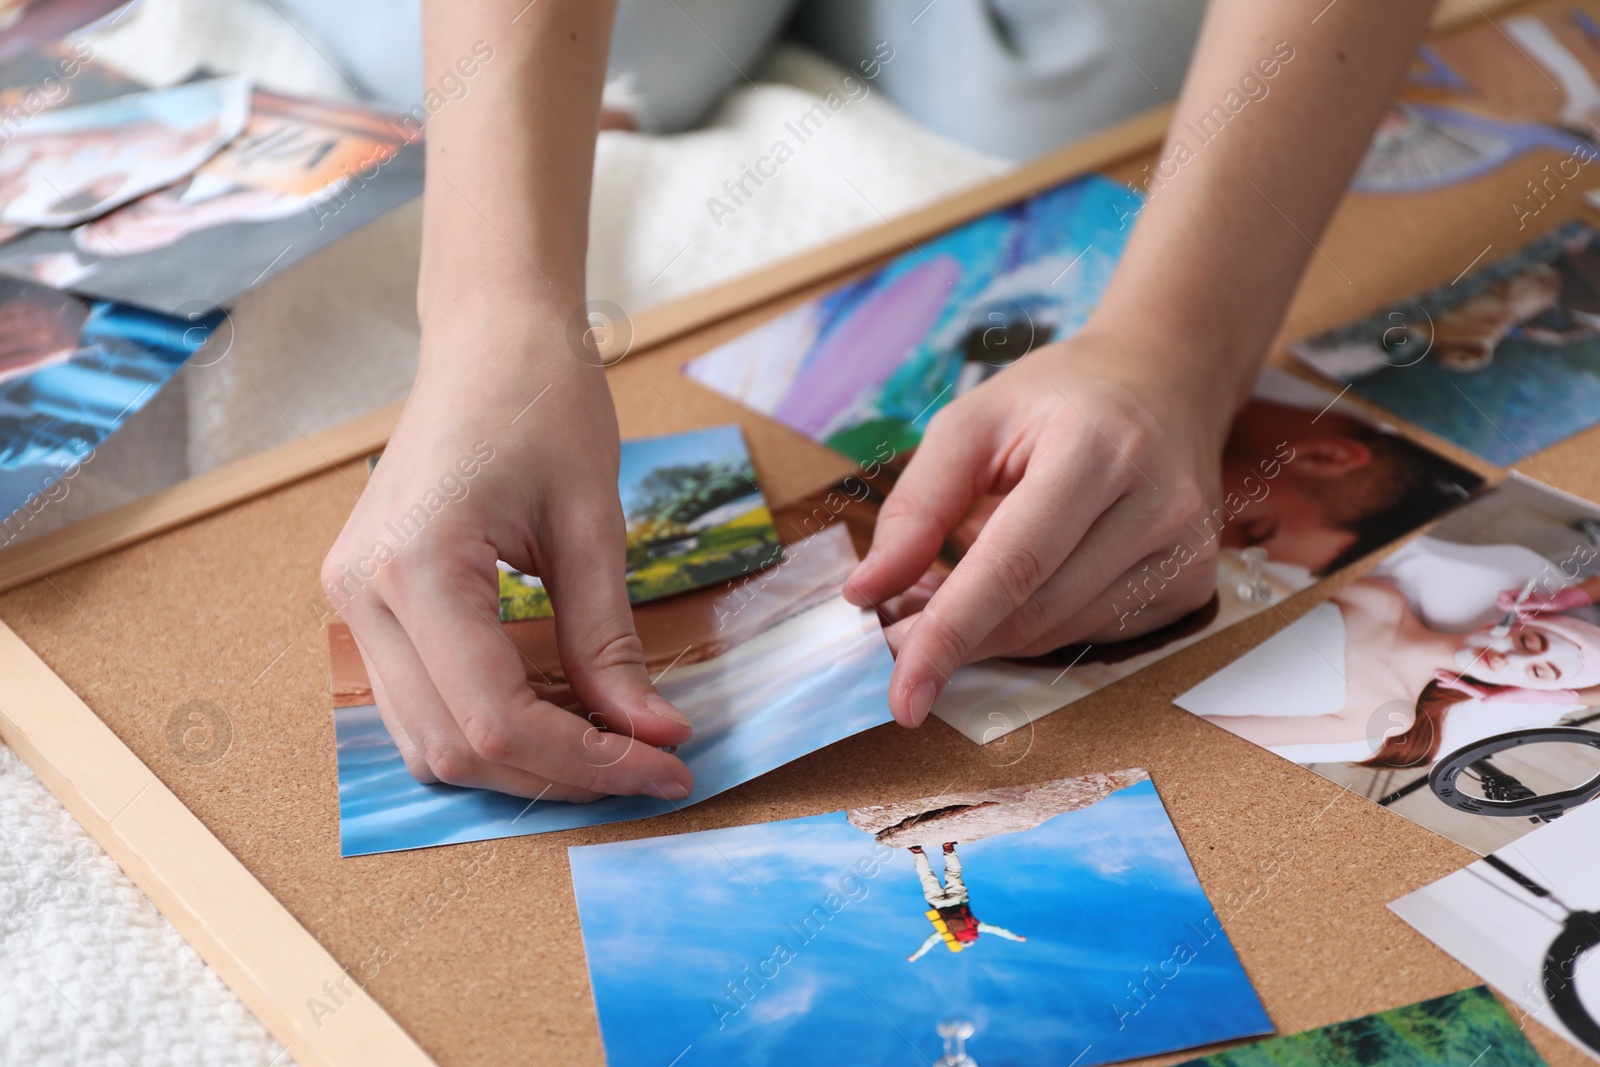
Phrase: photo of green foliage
(695, 518)
(1458, 1030)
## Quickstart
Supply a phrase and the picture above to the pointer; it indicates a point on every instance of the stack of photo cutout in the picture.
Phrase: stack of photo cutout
(130, 215)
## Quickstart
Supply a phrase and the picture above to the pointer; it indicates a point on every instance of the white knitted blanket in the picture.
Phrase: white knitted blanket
(90, 973)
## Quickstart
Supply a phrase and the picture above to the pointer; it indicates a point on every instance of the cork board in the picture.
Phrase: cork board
(475, 950)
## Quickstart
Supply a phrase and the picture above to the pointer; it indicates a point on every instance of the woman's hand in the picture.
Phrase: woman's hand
(1109, 443)
(1562, 600)
(504, 452)
(1107, 477)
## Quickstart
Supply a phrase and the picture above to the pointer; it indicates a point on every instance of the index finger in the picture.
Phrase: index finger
(1027, 539)
(945, 475)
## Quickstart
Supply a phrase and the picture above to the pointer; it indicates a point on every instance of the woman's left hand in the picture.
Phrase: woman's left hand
(1107, 477)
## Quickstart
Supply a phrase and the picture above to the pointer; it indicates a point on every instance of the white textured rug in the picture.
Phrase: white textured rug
(90, 973)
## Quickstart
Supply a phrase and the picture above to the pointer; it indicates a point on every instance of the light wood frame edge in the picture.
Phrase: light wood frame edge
(264, 955)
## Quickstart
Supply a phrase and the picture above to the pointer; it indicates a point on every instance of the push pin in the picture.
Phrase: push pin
(955, 1033)
(1251, 591)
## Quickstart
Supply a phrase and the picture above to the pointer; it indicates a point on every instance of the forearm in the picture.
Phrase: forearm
(510, 164)
(1251, 172)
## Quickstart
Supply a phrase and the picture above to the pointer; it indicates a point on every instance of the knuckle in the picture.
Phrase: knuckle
(589, 773)
(1024, 625)
(404, 566)
(488, 737)
(330, 574)
(1134, 437)
(1017, 570)
(900, 508)
(339, 582)
(939, 643)
(623, 650)
(419, 768)
(1182, 504)
(449, 763)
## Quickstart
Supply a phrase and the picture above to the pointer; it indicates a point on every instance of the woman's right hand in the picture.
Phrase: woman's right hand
(1573, 596)
(506, 450)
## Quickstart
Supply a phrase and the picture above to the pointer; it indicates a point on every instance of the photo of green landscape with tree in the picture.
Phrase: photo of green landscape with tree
(1450, 1031)
(695, 515)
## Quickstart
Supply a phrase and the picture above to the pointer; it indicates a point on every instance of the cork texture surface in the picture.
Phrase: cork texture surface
(476, 950)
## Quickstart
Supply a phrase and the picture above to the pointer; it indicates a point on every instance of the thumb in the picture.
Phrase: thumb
(599, 646)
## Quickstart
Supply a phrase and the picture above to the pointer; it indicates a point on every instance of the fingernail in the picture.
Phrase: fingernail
(667, 789)
(921, 700)
(657, 704)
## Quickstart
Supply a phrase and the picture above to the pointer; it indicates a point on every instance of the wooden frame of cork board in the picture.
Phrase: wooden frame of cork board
(471, 954)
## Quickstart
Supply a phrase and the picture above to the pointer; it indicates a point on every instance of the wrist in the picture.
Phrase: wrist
(499, 359)
(505, 326)
(1191, 374)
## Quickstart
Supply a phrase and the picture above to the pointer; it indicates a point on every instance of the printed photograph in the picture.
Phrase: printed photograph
(69, 165)
(695, 515)
(1539, 64)
(1526, 919)
(1457, 683)
(301, 175)
(1051, 923)
(1503, 362)
(1310, 486)
(1469, 1027)
(768, 671)
(1479, 99)
(71, 372)
(49, 77)
(867, 365)
(56, 75)
(24, 24)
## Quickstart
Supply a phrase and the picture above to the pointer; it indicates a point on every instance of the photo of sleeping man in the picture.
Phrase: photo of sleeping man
(1483, 627)
(1309, 486)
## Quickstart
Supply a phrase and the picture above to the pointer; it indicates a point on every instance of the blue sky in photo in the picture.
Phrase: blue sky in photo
(722, 445)
(813, 679)
(1100, 894)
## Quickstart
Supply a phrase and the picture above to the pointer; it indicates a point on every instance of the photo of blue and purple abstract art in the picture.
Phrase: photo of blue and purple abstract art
(1055, 923)
(865, 366)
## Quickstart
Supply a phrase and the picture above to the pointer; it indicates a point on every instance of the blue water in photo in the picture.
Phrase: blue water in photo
(53, 418)
(1104, 896)
(1536, 312)
(1532, 396)
(810, 681)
